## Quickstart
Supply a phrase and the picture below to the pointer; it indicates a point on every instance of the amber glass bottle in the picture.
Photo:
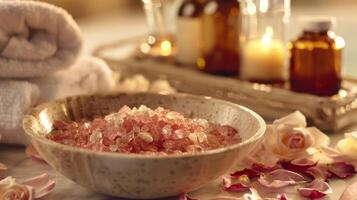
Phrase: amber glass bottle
(219, 51)
(315, 62)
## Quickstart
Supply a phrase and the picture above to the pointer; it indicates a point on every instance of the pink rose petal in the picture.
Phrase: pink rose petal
(184, 196)
(234, 187)
(42, 185)
(341, 169)
(318, 172)
(282, 197)
(32, 152)
(280, 178)
(296, 118)
(335, 155)
(350, 192)
(226, 198)
(2, 167)
(251, 173)
(317, 189)
(298, 165)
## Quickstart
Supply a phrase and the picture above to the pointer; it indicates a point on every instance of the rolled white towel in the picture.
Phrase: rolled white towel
(89, 75)
(16, 98)
(36, 39)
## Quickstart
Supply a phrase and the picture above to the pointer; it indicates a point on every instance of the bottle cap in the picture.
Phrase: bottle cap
(318, 23)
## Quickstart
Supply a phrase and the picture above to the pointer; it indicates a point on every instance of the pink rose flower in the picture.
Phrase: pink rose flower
(33, 188)
(288, 138)
(10, 190)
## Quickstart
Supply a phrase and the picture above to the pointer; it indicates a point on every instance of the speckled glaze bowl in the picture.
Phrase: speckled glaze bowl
(142, 176)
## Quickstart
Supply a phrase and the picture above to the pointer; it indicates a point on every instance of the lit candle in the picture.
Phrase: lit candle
(264, 59)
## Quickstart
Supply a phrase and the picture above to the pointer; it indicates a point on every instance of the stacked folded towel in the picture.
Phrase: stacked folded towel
(40, 47)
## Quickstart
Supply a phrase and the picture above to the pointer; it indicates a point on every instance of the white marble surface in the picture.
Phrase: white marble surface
(126, 24)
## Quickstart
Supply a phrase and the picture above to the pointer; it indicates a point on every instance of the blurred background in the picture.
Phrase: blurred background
(109, 20)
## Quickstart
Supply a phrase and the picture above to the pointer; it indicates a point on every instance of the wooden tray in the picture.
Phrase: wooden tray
(328, 113)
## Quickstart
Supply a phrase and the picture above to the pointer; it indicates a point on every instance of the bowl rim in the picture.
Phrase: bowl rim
(36, 110)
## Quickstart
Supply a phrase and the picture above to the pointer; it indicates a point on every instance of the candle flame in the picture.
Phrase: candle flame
(166, 48)
(268, 35)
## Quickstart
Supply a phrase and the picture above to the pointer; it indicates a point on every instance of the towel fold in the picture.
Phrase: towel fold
(36, 39)
(89, 75)
(16, 98)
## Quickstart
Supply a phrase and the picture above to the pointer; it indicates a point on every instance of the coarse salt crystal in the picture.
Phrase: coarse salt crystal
(146, 131)
(96, 136)
(145, 136)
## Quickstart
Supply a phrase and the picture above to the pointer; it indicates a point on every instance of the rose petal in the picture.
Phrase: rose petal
(350, 192)
(296, 118)
(280, 178)
(282, 197)
(318, 172)
(226, 198)
(316, 189)
(261, 168)
(341, 169)
(262, 155)
(298, 165)
(348, 145)
(254, 195)
(236, 187)
(251, 173)
(320, 138)
(42, 184)
(32, 152)
(184, 196)
(351, 135)
(2, 167)
(336, 156)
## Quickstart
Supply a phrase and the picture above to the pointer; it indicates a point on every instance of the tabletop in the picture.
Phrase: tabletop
(114, 26)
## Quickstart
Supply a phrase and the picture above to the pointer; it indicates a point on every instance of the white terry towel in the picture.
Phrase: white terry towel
(89, 75)
(16, 98)
(36, 39)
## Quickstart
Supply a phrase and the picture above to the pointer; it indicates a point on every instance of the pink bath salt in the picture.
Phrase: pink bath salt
(145, 131)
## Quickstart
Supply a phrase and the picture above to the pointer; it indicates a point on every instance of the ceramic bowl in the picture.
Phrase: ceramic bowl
(142, 176)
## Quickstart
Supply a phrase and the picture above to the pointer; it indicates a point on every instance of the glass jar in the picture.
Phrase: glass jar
(315, 61)
(161, 20)
(265, 54)
(220, 50)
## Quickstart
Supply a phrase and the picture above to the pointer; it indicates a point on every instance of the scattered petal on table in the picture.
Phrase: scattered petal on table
(282, 197)
(318, 172)
(184, 196)
(32, 152)
(251, 173)
(280, 178)
(350, 192)
(226, 198)
(315, 190)
(235, 187)
(42, 185)
(336, 156)
(298, 165)
(9, 190)
(254, 195)
(341, 169)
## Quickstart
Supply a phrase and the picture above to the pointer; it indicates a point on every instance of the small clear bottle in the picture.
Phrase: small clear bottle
(315, 60)
(220, 49)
